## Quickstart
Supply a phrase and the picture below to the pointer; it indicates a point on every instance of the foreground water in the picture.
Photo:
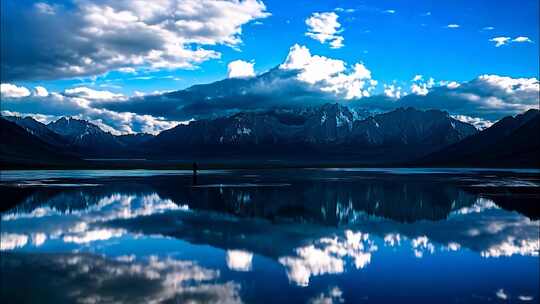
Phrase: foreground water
(272, 236)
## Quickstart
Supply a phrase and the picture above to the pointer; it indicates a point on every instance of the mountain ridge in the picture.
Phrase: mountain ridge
(330, 132)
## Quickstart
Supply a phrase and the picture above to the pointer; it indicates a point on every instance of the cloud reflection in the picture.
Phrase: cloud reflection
(82, 226)
(239, 260)
(328, 256)
(9, 241)
(334, 295)
(147, 280)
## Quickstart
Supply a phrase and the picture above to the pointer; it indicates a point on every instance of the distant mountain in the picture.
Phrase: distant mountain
(330, 129)
(21, 147)
(134, 140)
(512, 141)
(87, 138)
(39, 130)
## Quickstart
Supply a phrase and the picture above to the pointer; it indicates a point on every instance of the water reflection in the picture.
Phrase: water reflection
(328, 255)
(93, 279)
(200, 244)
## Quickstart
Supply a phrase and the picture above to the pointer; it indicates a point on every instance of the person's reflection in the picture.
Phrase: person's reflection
(195, 167)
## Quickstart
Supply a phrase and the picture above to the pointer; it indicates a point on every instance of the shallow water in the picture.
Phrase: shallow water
(270, 236)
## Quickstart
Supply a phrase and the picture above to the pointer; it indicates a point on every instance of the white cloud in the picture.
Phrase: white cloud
(344, 10)
(41, 91)
(390, 11)
(478, 122)
(239, 260)
(420, 87)
(488, 28)
(452, 25)
(84, 103)
(488, 97)
(393, 91)
(522, 39)
(8, 90)
(521, 88)
(500, 41)
(417, 77)
(84, 92)
(95, 37)
(240, 69)
(449, 84)
(329, 75)
(324, 27)
(39, 117)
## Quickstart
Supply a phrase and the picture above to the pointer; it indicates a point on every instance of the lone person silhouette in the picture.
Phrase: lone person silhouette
(195, 167)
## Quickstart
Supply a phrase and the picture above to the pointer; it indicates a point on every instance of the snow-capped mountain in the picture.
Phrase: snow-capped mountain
(328, 127)
(85, 136)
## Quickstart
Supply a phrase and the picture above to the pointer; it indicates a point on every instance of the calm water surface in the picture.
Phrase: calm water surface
(270, 236)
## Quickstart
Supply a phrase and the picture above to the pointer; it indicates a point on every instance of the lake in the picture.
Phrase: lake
(270, 236)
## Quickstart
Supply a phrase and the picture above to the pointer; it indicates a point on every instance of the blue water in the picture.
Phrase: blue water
(270, 236)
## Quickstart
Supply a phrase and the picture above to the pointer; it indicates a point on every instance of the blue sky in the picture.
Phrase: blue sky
(394, 46)
(62, 45)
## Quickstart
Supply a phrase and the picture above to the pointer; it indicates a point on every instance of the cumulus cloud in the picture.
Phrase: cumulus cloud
(93, 37)
(325, 28)
(240, 69)
(489, 97)
(329, 75)
(452, 26)
(420, 87)
(393, 91)
(8, 90)
(41, 91)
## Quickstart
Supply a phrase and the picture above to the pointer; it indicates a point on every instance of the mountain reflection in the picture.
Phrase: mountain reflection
(383, 207)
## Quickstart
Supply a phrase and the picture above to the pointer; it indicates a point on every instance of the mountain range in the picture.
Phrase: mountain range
(330, 132)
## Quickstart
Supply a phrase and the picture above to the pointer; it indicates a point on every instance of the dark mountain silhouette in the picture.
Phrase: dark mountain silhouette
(21, 147)
(512, 141)
(331, 132)
(86, 138)
(39, 130)
(327, 130)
